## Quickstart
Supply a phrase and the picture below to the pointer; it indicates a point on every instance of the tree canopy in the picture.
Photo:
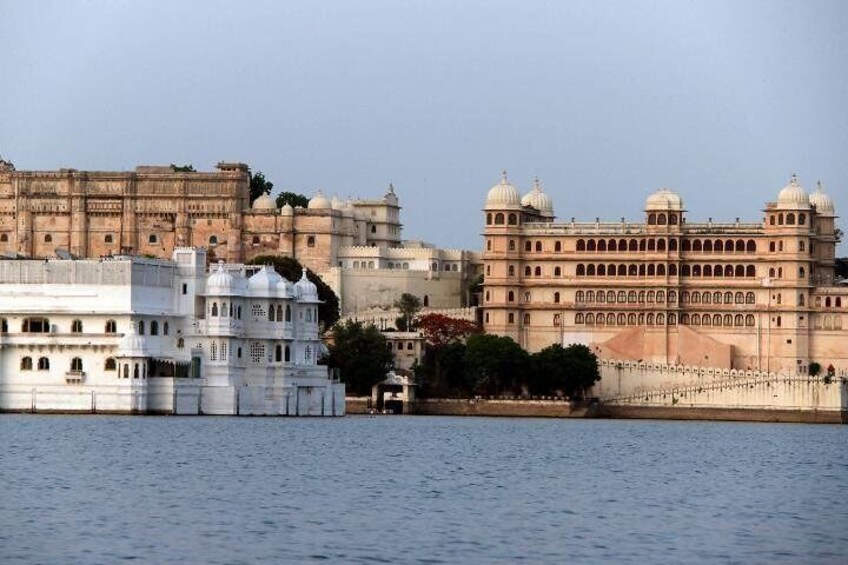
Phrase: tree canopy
(409, 305)
(361, 354)
(564, 370)
(183, 168)
(259, 185)
(496, 364)
(293, 199)
(440, 330)
(328, 310)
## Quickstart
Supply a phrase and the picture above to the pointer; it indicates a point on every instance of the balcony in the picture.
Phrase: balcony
(75, 377)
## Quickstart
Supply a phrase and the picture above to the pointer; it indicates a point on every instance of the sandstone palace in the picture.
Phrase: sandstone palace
(750, 296)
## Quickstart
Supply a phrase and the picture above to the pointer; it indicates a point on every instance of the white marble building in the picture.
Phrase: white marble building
(136, 335)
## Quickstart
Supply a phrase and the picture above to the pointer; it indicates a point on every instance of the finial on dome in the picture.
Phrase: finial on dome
(793, 179)
(503, 177)
(391, 188)
(536, 184)
(818, 186)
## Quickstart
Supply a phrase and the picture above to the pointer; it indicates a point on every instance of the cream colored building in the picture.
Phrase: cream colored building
(733, 295)
(356, 246)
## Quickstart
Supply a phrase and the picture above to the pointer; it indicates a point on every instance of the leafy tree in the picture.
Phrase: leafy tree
(440, 330)
(259, 186)
(814, 368)
(183, 169)
(361, 354)
(570, 370)
(842, 267)
(409, 305)
(293, 199)
(328, 310)
(496, 364)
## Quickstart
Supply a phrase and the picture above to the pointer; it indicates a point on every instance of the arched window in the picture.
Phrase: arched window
(581, 245)
(661, 220)
(76, 365)
(660, 245)
(602, 245)
(152, 238)
(590, 296)
(110, 364)
(652, 219)
(499, 219)
(652, 245)
(35, 326)
(511, 245)
(141, 327)
(611, 297)
(590, 319)
(578, 318)
(672, 319)
(652, 270)
(633, 245)
(526, 319)
(750, 298)
(556, 298)
(738, 320)
(489, 219)
(537, 271)
(802, 219)
(610, 270)
(728, 270)
(154, 328)
(538, 246)
(135, 370)
(581, 270)
(790, 219)
(651, 296)
(590, 270)
(528, 270)
(512, 270)
(278, 353)
(801, 272)
(288, 313)
(272, 313)
(4, 238)
(214, 309)
(740, 246)
(48, 238)
(558, 247)
(632, 270)
(672, 297)
(510, 296)
(708, 271)
(26, 364)
(76, 327)
(750, 271)
(590, 245)
(697, 245)
(696, 297)
(213, 351)
(801, 299)
(512, 219)
(739, 271)
(649, 320)
(780, 219)
(557, 271)
(749, 320)
(310, 241)
(580, 296)
(622, 270)
(611, 246)
(287, 354)
(839, 302)
(43, 364)
(751, 246)
(728, 297)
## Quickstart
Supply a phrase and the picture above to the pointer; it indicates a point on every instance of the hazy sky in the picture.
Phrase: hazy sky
(604, 101)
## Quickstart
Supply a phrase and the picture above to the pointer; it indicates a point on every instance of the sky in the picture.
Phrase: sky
(604, 101)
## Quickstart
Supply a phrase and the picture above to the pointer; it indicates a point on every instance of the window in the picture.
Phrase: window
(512, 270)
(511, 245)
(110, 364)
(307, 355)
(48, 238)
(154, 328)
(556, 298)
(310, 241)
(278, 353)
(76, 365)
(512, 220)
(558, 246)
(185, 288)
(4, 238)
(141, 327)
(26, 364)
(4, 326)
(43, 364)
(288, 313)
(557, 271)
(373, 229)
(111, 327)
(257, 352)
(213, 240)
(35, 326)
(166, 329)
(108, 238)
(287, 356)
(152, 238)
(213, 351)
(511, 318)
(76, 327)
(526, 319)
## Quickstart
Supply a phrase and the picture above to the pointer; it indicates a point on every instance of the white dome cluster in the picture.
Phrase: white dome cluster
(267, 283)
(664, 200)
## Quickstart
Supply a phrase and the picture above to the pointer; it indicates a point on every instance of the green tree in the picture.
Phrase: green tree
(409, 305)
(842, 267)
(293, 199)
(259, 185)
(183, 169)
(566, 370)
(361, 354)
(328, 310)
(496, 365)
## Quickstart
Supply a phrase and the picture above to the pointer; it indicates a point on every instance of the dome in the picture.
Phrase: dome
(319, 202)
(285, 288)
(220, 283)
(336, 204)
(503, 195)
(264, 202)
(264, 282)
(132, 344)
(287, 210)
(539, 200)
(822, 201)
(664, 199)
(793, 196)
(306, 289)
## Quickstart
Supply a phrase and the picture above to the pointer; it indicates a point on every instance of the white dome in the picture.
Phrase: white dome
(336, 204)
(793, 196)
(306, 289)
(503, 195)
(285, 288)
(287, 210)
(264, 282)
(539, 200)
(132, 344)
(822, 201)
(264, 202)
(664, 199)
(319, 202)
(220, 283)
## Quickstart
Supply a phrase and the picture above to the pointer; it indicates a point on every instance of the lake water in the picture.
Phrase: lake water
(100, 489)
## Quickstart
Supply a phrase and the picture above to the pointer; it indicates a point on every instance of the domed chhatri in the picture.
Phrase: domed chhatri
(220, 283)
(793, 196)
(664, 199)
(264, 281)
(823, 202)
(319, 202)
(265, 202)
(539, 200)
(503, 195)
(306, 289)
(287, 210)
(132, 344)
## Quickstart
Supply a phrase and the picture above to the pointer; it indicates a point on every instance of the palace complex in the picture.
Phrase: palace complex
(746, 296)
(355, 245)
